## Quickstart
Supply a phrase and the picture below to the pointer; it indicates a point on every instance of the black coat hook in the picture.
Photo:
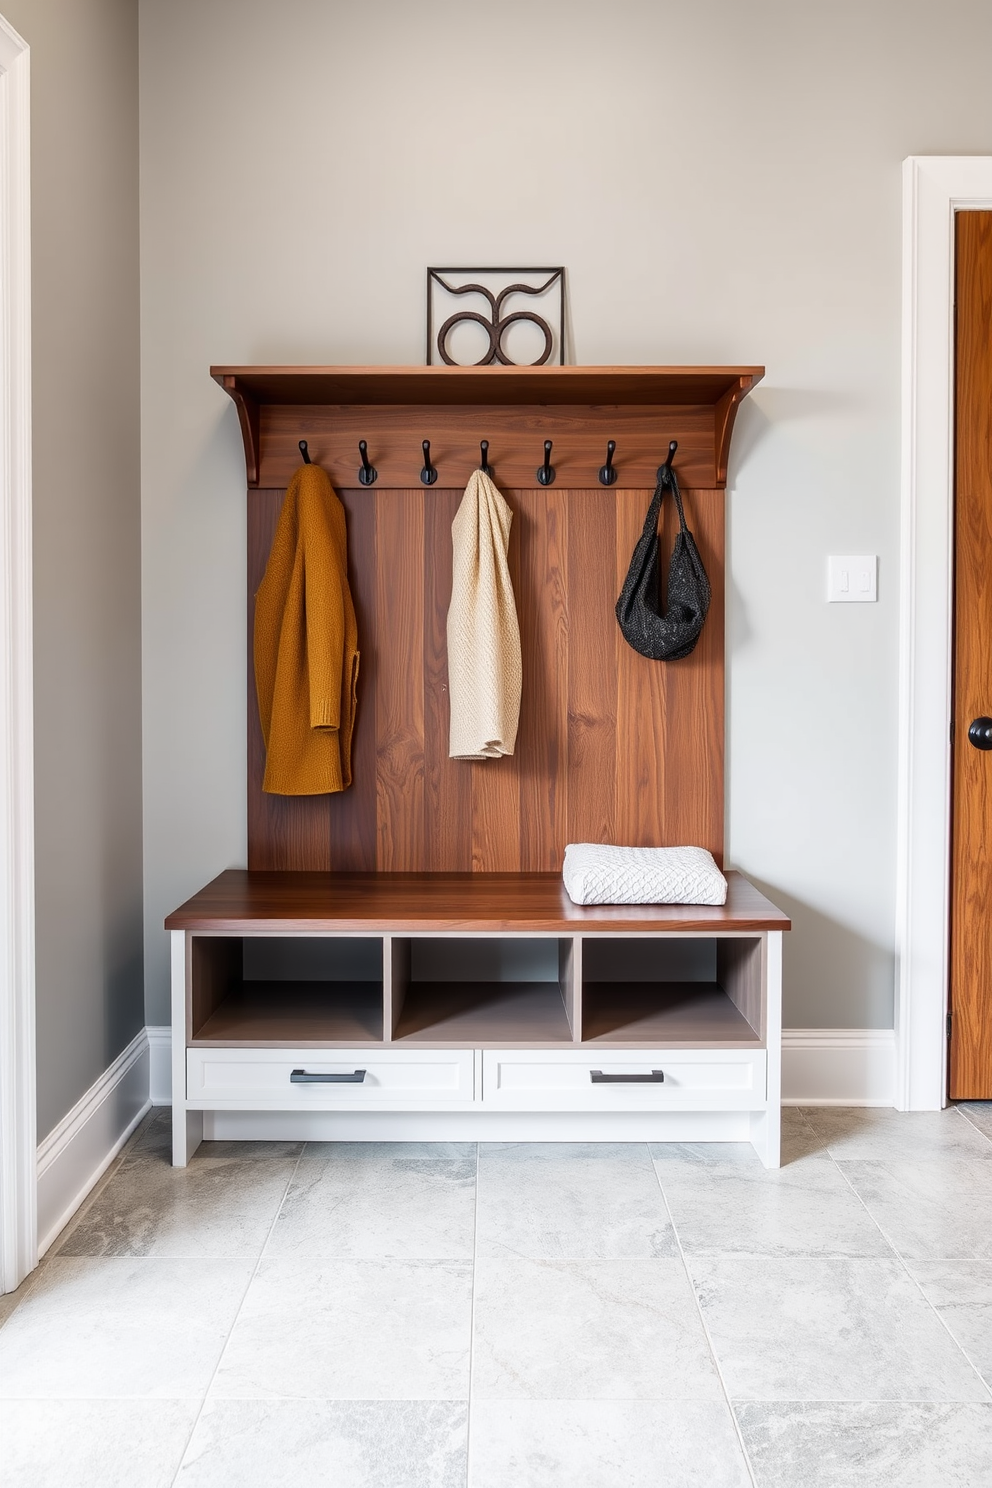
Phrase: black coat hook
(608, 474)
(485, 467)
(546, 472)
(664, 471)
(368, 474)
(428, 475)
(305, 452)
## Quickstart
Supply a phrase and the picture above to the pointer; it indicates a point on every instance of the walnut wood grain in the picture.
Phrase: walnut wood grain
(694, 696)
(670, 716)
(473, 385)
(516, 443)
(611, 747)
(399, 681)
(594, 643)
(242, 902)
(447, 782)
(495, 783)
(971, 875)
(351, 820)
(642, 721)
(542, 544)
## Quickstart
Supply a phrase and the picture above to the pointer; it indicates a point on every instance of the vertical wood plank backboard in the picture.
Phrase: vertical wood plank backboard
(353, 812)
(642, 724)
(542, 538)
(496, 783)
(611, 747)
(694, 691)
(399, 681)
(594, 642)
(447, 782)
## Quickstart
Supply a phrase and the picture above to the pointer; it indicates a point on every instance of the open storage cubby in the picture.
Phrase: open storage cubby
(285, 991)
(465, 993)
(673, 992)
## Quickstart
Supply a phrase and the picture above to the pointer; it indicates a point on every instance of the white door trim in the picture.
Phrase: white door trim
(18, 1161)
(934, 188)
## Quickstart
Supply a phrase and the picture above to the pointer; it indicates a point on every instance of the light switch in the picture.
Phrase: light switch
(852, 580)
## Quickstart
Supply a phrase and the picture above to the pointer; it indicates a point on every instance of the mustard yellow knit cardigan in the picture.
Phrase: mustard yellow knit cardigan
(306, 644)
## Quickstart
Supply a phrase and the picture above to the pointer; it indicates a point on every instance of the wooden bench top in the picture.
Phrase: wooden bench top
(498, 903)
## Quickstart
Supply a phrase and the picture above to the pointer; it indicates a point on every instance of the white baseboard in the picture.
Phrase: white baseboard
(838, 1066)
(160, 1064)
(74, 1156)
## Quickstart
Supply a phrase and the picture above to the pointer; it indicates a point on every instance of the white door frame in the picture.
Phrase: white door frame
(935, 187)
(18, 1135)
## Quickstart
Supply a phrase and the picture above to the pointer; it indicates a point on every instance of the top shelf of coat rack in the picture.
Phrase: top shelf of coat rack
(515, 408)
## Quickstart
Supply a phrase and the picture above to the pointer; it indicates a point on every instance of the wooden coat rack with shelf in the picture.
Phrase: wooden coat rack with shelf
(515, 408)
(355, 981)
(611, 747)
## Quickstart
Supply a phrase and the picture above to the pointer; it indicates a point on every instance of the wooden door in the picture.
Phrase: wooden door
(971, 847)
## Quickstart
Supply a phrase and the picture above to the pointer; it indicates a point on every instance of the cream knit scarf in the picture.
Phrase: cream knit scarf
(484, 672)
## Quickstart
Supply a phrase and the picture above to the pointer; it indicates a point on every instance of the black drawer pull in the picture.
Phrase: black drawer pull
(304, 1077)
(656, 1077)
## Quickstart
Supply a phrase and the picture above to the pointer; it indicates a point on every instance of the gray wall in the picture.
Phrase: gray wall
(84, 183)
(723, 183)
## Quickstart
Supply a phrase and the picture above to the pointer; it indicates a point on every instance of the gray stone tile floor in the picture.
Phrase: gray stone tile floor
(518, 1316)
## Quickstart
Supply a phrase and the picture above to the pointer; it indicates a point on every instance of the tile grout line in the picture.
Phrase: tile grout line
(965, 1117)
(471, 1338)
(811, 1129)
(838, 1164)
(702, 1321)
(240, 1308)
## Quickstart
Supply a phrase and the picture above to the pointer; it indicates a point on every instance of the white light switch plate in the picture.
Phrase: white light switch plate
(852, 580)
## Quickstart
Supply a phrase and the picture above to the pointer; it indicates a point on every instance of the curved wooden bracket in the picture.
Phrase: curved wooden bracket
(248, 417)
(725, 413)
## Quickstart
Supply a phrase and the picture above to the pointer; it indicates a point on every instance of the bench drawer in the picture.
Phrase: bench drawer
(624, 1080)
(328, 1079)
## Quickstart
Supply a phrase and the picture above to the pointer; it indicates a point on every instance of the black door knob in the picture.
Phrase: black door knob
(980, 733)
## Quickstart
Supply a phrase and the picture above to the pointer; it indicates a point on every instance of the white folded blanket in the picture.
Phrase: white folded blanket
(596, 874)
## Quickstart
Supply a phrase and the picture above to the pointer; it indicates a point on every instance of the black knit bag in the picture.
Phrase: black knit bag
(668, 636)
